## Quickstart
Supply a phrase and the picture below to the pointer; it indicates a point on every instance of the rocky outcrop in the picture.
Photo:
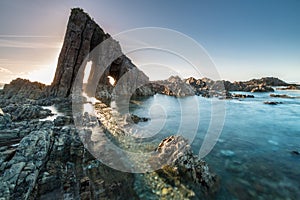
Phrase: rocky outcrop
(262, 88)
(19, 181)
(82, 36)
(269, 81)
(47, 160)
(181, 166)
(21, 112)
(207, 87)
(173, 86)
(22, 89)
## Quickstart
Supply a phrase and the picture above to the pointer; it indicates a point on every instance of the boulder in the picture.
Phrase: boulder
(179, 163)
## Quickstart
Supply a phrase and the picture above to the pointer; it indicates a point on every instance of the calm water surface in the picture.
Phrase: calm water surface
(253, 155)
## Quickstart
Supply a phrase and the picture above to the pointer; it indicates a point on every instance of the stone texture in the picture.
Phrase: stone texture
(173, 86)
(82, 36)
(25, 90)
(21, 112)
(181, 165)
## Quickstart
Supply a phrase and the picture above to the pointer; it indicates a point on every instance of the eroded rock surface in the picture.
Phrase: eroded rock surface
(82, 36)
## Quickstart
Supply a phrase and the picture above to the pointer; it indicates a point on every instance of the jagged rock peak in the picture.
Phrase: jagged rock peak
(82, 35)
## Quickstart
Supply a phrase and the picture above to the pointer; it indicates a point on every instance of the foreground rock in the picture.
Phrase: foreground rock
(182, 167)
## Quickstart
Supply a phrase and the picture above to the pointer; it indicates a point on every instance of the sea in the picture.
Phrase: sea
(255, 150)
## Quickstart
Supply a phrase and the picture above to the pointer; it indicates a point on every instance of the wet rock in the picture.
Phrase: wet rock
(272, 102)
(5, 120)
(20, 112)
(136, 119)
(179, 163)
(297, 153)
(22, 170)
(63, 120)
(242, 96)
(281, 96)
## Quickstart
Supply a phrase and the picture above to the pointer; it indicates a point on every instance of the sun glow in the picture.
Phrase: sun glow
(111, 80)
(43, 73)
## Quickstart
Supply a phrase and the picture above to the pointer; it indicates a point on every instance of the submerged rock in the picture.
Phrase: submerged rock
(227, 153)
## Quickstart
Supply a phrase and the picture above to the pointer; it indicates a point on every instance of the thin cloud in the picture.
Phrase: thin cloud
(28, 36)
(35, 45)
(4, 70)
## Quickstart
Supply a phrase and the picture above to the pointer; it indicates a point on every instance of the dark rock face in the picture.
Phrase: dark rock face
(25, 90)
(82, 36)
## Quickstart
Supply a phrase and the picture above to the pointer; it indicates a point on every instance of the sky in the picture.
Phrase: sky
(245, 39)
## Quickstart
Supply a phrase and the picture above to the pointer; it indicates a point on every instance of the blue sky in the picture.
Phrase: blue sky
(245, 39)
